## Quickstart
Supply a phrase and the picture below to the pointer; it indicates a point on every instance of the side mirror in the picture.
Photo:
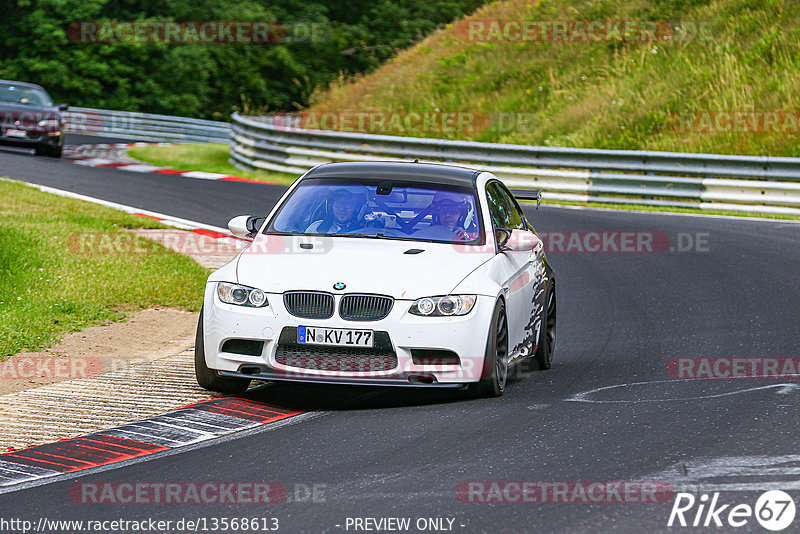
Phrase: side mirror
(502, 236)
(63, 107)
(238, 226)
(517, 240)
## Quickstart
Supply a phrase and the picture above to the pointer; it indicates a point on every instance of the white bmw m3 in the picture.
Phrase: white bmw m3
(396, 274)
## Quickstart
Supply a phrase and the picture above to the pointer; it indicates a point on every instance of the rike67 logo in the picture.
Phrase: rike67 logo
(774, 510)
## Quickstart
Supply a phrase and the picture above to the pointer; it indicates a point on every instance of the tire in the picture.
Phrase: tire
(48, 150)
(208, 378)
(495, 361)
(547, 335)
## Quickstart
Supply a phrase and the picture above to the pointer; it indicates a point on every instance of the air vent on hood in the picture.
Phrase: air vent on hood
(414, 251)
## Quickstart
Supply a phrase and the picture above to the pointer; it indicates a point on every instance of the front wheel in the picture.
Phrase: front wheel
(208, 378)
(48, 150)
(495, 360)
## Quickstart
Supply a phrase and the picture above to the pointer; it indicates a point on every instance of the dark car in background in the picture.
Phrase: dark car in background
(29, 119)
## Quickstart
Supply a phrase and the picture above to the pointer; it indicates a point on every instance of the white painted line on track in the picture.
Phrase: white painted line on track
(93, 162)
(139, 168)
(703, 474)
(782, 389)
(168, 220)
(201, 174)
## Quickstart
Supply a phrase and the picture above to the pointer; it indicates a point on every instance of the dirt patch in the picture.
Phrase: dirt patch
(145, 336)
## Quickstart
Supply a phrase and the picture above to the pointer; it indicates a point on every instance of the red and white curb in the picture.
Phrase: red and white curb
(207, 230)
(185, 426)
(76, 156)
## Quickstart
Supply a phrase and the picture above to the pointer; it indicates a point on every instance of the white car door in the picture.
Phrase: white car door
(520, 273)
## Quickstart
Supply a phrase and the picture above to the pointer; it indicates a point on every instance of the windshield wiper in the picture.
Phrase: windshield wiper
(373, 236)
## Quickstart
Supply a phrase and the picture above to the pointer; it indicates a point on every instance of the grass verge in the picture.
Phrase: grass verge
(735, 56)
(210, 157)
(49, 285)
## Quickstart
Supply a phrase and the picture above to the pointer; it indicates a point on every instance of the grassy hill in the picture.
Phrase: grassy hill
(708, 56)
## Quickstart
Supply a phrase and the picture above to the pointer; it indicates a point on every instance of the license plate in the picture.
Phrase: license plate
(16, 133)
(339, 337)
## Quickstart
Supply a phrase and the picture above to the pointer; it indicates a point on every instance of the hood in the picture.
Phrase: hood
(26, 117)
(388, 267)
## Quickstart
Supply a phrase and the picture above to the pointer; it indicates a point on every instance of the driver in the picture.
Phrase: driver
(448, 209)
(343, 208)
(29, 96)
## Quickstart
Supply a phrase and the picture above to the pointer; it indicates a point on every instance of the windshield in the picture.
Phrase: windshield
(22, 94)
(375, 209)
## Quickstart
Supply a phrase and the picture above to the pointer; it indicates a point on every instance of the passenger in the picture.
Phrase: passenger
(342, 213)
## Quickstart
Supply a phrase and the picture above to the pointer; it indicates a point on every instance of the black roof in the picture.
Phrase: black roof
(398, 170)
(23, 84)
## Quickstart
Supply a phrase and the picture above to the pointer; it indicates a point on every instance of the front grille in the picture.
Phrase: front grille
(365, 307)
(340, 359)
(381, 357)
(309, 304)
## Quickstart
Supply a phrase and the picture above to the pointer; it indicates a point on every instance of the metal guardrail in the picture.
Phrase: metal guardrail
(705, 181)
(145, 127)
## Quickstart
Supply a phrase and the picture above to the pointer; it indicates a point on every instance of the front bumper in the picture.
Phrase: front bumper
(465, 336)
(34, 138)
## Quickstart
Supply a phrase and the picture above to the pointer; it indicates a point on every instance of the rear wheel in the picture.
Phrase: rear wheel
(495, 361)
(208, 378)
(547, 335)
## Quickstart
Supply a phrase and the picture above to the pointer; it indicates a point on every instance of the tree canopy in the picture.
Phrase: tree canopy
(317, 43)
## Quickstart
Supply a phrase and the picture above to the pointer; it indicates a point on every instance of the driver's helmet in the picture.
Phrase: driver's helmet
(449, 200)
(349, 195)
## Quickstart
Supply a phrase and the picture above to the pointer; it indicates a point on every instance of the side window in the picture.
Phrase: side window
(518, 217)
(498, 210)
(502, 208)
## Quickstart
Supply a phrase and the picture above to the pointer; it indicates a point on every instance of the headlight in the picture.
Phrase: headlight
(50, 124)
(443, 306)
(241, 295)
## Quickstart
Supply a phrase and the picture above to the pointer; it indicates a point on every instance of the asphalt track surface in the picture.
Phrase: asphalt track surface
(403, 453)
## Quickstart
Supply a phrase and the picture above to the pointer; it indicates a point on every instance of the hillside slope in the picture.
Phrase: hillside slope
(670, 92)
